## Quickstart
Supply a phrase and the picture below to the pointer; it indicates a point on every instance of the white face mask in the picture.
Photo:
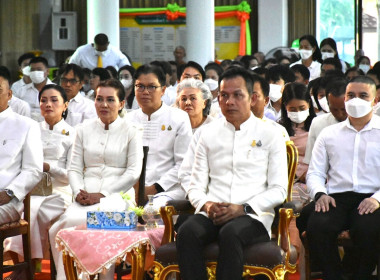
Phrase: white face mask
(126, 82)
(98, 53)
(212, 84)
(275, 92)
(298, 117)
(327, 55)
(305, 54)
(26, 70)
(37, 77)
(324, 104)
(364, 67)
(357, 107)
(86, 87)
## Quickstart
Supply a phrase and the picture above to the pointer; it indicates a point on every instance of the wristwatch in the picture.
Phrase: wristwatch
(9, 193)
(247, 209)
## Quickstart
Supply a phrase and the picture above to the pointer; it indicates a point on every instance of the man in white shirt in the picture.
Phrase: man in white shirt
(167, 132)
(23, 63)
(238, 178)
(80, 108)
(335, 91)
(21, 156)
(346, 155)
(99, 54)
(39, 75)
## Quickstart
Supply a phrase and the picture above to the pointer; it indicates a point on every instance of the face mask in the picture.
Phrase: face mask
(98, 53)
(212, 84)
(126, 83)
(364, 67)
(305, 54)
(274, 92)
(357, 107)
(298, 117)
(86, 87)
(26, 71)
(327, 55)
(37, 77)
(324, 105)
(314, 103)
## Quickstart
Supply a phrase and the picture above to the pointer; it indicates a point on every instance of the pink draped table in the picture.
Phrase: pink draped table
(96, 250)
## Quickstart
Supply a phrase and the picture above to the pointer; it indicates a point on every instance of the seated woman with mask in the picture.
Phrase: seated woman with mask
(194, 97)
(106, 159)
(125, 75)
(57, 138)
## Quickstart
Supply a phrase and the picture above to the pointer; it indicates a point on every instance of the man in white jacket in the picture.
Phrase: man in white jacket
(21, 156)
(238, 178)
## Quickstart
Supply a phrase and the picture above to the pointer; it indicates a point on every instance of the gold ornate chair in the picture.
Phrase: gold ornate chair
(273, 259)
(20, 227)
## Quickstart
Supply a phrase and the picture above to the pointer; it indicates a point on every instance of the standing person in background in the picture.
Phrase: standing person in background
(99, 54)
(310, 55)
(329, 50)
(179, 55)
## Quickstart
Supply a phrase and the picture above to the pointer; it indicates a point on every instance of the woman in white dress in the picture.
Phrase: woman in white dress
(57, 138)
(106, 159)
(194, 97)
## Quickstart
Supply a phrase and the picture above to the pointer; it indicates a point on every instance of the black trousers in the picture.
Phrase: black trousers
(198, 231)
(323, 229)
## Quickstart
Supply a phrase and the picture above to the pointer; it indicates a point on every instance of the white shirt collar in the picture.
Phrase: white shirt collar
(374, 123)
(112, 125)
(4, 114)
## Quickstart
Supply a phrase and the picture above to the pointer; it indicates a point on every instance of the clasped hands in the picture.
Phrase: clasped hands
(84, 198)
(368, 205)
(222, 212)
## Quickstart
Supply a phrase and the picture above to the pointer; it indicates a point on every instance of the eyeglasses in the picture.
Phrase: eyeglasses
(70, 81)
(141, 88)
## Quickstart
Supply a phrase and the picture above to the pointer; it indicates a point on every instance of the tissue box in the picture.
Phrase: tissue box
(111, 220)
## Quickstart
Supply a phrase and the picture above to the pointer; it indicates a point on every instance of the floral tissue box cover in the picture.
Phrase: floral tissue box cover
(111, 220)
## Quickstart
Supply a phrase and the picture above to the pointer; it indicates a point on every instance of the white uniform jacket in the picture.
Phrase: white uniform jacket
(244, 166)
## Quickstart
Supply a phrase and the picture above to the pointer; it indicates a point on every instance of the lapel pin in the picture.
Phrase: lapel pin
(163, 127)
(169, 127)
(259, 144)
(253, 143)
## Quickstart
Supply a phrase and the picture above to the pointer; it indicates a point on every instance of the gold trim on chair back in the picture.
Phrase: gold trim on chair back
(292, 155)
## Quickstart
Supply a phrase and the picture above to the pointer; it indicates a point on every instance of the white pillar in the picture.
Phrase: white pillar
(273, 24)
(103, 17)
(200, 28)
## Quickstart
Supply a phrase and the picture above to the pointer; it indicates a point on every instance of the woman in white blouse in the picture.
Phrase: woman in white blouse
(194, 97)
(106, 159)
(57, 139)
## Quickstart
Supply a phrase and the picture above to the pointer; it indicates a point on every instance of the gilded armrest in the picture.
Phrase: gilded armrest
(286, 215)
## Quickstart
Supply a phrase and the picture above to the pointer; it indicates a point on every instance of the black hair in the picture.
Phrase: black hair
(151, 69)
(24, 57)
(77, 70)
(269, 61)
(113, 71)
(86, 71)
(246, 59)
(39, 59)
(236, 63)
(113, 83)
(102, 73)
(279, 59)
(295, 91)
(364, 80)
(374, 72)
(354, 69)
(277, 72)
(333, 61)
(317, 56)
(129, 68)
(331, 42)
(336, 87)
(361, 58)
(61, 92)
(5, 74)
(263, 84)
(260, 70)
(225, 63)
(101, 39)
(233, 72)
(302, 69)
(214, 66)
(316, 85)
(195, 65)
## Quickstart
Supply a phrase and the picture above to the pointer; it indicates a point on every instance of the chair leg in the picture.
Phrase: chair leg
(53, 272)
(27, 256)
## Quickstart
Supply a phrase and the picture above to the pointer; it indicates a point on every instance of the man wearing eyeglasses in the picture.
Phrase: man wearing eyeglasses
(80, 108)
(38, 74)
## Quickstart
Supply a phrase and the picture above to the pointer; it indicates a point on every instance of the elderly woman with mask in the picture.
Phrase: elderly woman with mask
(194, 97)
